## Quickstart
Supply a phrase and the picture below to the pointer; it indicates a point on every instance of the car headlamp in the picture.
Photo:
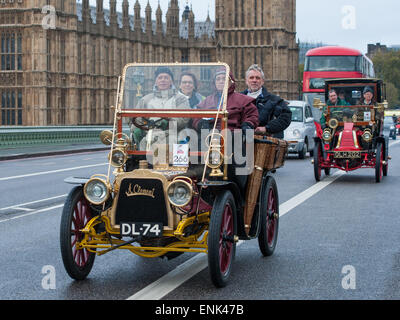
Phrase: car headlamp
(180, 193)
(118, 158)
(296, 133)
(327, 135)
(96, 191)
(367, 135)
(333, 123)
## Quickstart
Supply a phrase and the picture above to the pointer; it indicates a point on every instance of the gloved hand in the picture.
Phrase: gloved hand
(204, 124)
(163, 125)
(137, 135)
(245, 126)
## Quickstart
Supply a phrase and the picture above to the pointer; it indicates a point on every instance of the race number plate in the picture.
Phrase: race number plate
(180, 155)
(347, 154)
(130, 229)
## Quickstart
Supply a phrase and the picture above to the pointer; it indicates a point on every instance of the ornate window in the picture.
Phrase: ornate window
(11, 107)
(11, 51)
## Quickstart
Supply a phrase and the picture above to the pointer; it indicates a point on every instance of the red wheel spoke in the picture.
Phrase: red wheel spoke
(81, 215)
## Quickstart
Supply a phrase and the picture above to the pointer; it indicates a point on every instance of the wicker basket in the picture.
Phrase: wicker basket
(269, 154)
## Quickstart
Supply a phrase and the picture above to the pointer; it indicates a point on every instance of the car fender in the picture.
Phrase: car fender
(76, 180)
(218, 186)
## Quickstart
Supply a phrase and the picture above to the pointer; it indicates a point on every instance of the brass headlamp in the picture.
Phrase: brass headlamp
(367, 135)
(327, 135)
(97, 190)
(333, 123)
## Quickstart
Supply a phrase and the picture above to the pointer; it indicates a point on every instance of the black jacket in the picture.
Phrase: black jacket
(274, 113)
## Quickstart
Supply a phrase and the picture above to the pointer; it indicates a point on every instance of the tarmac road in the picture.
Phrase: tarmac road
(337, 239)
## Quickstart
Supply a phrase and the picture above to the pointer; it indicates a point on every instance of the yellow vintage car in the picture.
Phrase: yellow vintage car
(173, 185)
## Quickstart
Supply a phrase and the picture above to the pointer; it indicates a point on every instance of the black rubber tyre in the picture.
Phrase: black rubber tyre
(317, 156)
(76, 214)
(303, 152)
(269, 206)
(221, 244)
(379, 163)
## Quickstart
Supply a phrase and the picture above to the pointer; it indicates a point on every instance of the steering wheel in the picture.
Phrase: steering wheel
(148, 124)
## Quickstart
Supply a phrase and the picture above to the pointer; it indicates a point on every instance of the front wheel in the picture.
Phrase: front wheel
(317, 161)
(221, 243)
(76, 214)
(379, 163)
(269, 206)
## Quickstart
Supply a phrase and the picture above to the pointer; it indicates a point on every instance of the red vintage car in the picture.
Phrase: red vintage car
(350, 134)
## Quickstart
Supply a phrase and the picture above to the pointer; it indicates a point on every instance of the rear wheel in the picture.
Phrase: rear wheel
(76, 214)
(221, 244)
(269, 206)
(317, 161)
(379, 163)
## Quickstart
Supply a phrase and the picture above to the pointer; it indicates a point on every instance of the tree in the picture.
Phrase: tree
(387, 68)
(300, 81)
(392, 95)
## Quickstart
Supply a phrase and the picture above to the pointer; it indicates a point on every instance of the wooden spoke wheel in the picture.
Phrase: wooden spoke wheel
(221, 244)
(317, 161)
(380, 156)
(269, 206)
(76, 214)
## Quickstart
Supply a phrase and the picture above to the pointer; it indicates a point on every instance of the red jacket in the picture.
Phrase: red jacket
(240, 107)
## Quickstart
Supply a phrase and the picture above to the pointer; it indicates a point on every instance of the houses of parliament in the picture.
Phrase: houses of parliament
(67, 74)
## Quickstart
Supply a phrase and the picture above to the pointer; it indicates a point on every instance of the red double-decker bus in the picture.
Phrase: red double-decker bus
(332, 62)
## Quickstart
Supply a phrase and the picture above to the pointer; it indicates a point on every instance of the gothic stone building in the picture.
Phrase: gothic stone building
(60, 60)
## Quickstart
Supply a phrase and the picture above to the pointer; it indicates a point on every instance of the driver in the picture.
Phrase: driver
(368, 94)
(164, 96)
(333, 101)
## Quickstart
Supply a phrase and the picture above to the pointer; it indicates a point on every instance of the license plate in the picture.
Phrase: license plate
(347, 154)
(130, 229)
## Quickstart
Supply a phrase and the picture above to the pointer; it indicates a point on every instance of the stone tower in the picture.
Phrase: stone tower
(262, 32)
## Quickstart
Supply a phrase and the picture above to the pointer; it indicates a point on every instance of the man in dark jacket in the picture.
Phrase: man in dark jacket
(274, 113)
(242, 112)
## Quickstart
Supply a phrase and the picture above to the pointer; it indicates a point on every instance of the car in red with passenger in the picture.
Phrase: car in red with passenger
(352, 136)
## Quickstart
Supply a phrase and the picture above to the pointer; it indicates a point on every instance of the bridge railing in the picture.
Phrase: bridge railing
(12, 137)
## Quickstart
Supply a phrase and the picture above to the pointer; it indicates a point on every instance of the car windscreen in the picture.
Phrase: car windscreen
(176, 87)
(331, 63)
(297, 113)
(351, 114)
(352, 95)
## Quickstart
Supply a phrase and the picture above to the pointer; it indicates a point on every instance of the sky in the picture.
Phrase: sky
(351, 23)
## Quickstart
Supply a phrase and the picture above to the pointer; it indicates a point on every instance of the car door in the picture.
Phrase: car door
(309, 126)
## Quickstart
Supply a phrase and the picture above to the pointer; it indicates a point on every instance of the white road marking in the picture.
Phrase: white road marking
(33, 213)
(17, 206)
(169, 282)
(52, 171)
(393, 143)
(23, 209)
(173, 279)
(308, 193)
